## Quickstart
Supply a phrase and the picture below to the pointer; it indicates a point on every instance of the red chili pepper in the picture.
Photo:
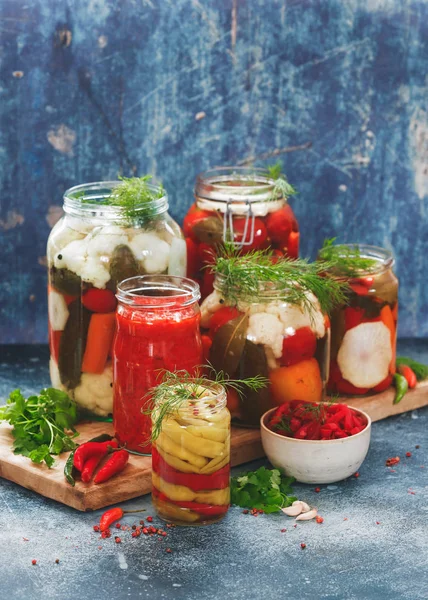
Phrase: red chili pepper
(409, 374)
(115, 464)
(109, 517)
(217, 480)
(202, 509)
(89, 449)
(89, 467)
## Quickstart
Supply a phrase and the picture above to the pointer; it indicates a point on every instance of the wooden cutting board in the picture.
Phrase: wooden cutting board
(136, 478)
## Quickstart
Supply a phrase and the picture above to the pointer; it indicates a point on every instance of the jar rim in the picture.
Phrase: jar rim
(384, 258)
(158, 291)
(78, 201)
(213, 185)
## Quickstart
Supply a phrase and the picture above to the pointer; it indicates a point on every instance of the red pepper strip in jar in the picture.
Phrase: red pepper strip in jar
(109, 517)
(99, 301)
(115, 464)
(217, 480)
(85, 451)
(202, 509)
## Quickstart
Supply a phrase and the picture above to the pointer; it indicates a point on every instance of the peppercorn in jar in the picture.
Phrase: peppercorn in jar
(247, 207)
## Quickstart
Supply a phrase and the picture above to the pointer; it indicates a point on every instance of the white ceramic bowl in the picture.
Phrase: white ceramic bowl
(316, 461)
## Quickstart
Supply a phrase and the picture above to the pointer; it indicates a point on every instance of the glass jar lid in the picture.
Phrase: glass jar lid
(90, 201)
(235, 188)
(158, 291)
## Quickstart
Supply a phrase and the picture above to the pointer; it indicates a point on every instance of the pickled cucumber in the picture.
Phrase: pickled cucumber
(73, 343)
(209, 230)
(123, 265)
(65, 281)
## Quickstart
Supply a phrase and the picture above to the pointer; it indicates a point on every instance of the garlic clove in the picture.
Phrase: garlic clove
(305, 507)
(307, 516)
(293, 510)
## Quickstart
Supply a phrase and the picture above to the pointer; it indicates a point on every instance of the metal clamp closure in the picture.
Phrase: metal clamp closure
(228, 231)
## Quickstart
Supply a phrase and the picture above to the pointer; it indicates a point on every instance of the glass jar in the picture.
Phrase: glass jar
(191, 458)
(241, 205)
(364, 331)
(91, 249)
(157, 329)
(287, 343)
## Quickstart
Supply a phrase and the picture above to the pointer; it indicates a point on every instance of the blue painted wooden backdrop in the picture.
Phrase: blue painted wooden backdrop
(337, 88)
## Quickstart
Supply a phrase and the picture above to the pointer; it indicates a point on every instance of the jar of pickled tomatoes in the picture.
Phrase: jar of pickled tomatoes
(363, 330)
(191, 455)
(278, 334)
(157, 329)
(244, 206)
(111, 230)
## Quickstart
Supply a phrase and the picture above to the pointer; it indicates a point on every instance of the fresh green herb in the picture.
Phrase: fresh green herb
(282, 188)
(179, 389)
(419, 369)
(255, 275)
(40, 424)
(135, 197)
(264, 489)
(345, 260)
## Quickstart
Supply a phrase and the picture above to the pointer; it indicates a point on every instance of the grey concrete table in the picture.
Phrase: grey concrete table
(373, 543)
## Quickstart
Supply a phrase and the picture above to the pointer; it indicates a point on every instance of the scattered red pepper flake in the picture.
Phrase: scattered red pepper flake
(57, 561)
(118, 525)
(168, 550)
(34, 561)
(317, 490)
(345, 518)
(392, 461)
(283, 530)
(117, 540)
(408, 454)
(145, 530)
(377, 522)
(295, 525)
(245, 512)
(303, 545)
(150, 519)
(142, 522)
(357, 474)
(26, 539)
(163, 534)
(96, 527)
(417, 446)
(319, 519)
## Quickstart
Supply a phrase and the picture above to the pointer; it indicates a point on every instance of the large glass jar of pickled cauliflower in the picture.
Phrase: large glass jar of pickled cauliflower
(191, 452)
(247, 207)
(364, 329)
(265, 319)
(110, 231)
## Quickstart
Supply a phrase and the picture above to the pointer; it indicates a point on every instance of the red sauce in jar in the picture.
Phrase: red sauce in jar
(157, 328)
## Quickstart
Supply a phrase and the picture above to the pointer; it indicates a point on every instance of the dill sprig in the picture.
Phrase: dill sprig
(134, 196)
(345, 259)
(179, 390)
(255, 276)
(282, 187)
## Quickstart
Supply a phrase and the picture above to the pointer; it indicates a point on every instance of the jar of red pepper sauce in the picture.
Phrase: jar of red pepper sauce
(157, 329)
(191, 455)
(241, 205)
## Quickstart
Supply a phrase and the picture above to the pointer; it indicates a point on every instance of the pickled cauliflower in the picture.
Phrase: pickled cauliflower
(95, 392)
(151, 251)
(266, 329)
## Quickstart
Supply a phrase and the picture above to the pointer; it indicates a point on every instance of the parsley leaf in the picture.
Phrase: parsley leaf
(41, 424)
(265, 489)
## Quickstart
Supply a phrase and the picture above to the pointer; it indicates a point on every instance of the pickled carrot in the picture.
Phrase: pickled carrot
(100, 336)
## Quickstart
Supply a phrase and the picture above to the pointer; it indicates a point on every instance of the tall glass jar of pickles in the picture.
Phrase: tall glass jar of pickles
(245, 206)
(363, 330)
(111, 230)
(191, 452)
(270, 319)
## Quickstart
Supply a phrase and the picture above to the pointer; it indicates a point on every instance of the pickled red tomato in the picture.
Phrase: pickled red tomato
(260, 233)
(280, 224)
(299, 346)
(193, 217)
